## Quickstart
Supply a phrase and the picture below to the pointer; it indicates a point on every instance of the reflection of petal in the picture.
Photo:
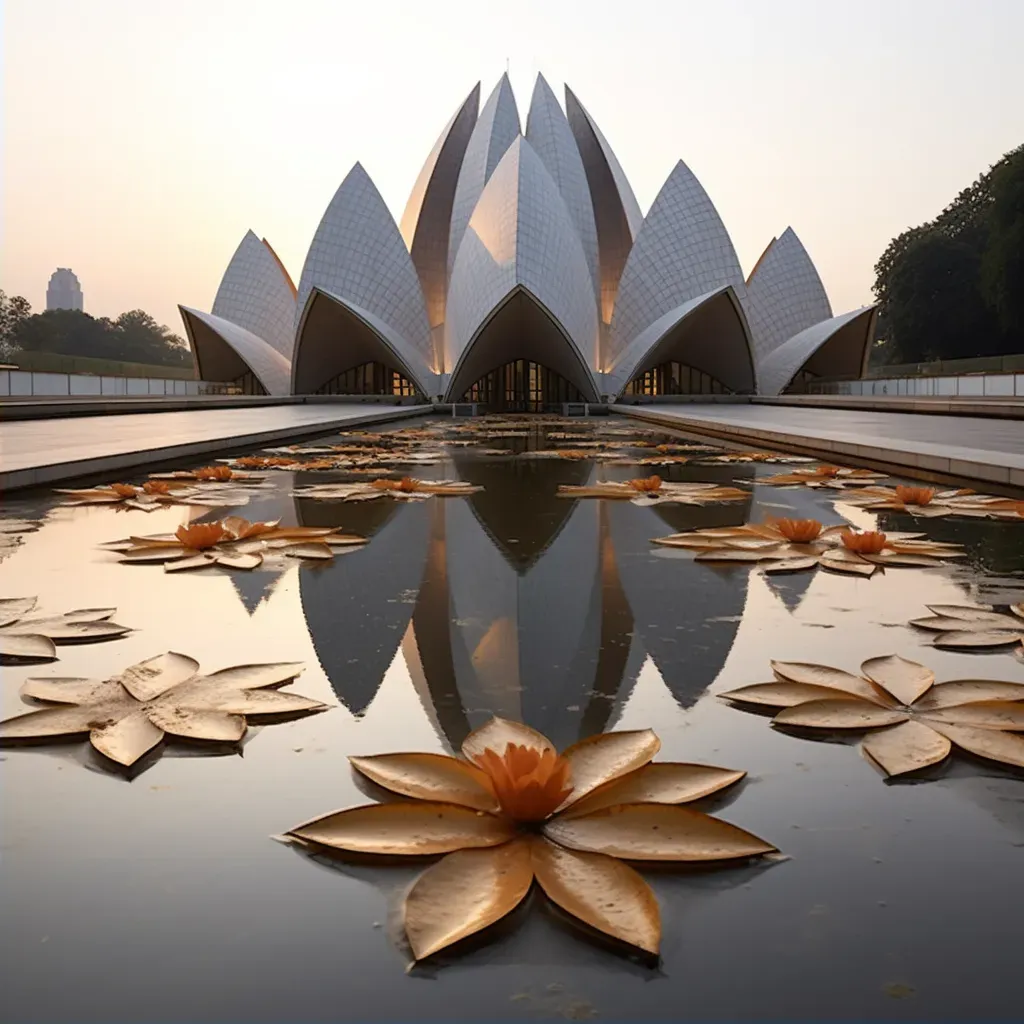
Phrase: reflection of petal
(601, 891)
(660, 832)
(464, 893)
(406, 828)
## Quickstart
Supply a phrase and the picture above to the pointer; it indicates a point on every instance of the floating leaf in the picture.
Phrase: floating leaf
(27, 648)
(600, 891)
(790, 565)
(464, 893)
(430, 777)
(780, 694)
(905, 680)
(906, 747)
(659, 832)
(983, 714)
(598, 759)
(951, 624)
(825, 675)
(839, 713)
(964, 691)
(970, 638)
(1006, 747)
(14, 608)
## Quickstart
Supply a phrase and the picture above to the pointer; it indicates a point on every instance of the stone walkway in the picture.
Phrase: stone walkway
(990, 450)
(41, 451)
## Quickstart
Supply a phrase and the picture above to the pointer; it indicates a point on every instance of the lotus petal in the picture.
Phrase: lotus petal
(88, 614)
(905, 747)
(838, 562)
(734, 555)
(155, 676)
(950, 623)
(840, 713)
(905, 680)
(665, 783)
(65, 721)
(464, 893)
(600, 891)
(690, 541)
(825, 675)
(193, 562)
(1007, 747)
(155, 553)
(299, 532)
(198, 724)
(983, 714)
(1018, 610)
(406, 828)
(497, 733)
(790, 565)
(344, 540)
(309, 550)
(970, 612)
(14, 608)
(238, 560)
(969, 638)
(67, 691)
(780, 694)
(963, 691)
(30, 647)
(598, 759)
(253, 702)
(126, 739)
(253, 677)
(659, 832)
(65, 631)
(430, 777)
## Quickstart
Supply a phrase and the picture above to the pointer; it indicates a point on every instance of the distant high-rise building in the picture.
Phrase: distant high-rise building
(64, 291)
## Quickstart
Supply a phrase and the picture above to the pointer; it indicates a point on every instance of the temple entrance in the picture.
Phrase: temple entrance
(673, 378)
(522, 386)
(368, 379)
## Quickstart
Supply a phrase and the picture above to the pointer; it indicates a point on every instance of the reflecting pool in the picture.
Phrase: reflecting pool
(158, 894)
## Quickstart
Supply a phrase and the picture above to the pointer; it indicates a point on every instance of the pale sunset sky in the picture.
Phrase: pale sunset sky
(143, 137)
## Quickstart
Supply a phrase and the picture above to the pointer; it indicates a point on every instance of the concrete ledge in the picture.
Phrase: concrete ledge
(892, 456)
(45, 471)
(996, 407)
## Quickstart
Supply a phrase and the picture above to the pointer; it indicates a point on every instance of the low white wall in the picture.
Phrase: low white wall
(1005, 385)
(20, 383)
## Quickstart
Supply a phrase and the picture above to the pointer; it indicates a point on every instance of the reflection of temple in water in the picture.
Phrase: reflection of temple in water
(519, 603)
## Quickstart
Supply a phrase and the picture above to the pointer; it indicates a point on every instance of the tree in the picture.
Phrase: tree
(13, 311)
(1002, 266)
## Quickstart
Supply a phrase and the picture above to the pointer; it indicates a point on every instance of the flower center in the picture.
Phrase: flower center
(827, 471)
(213, 473)
(646, 483)
(201, 535)
(870, 542)
(799, 531)
(914, 495)
(529, 783)
(156, 487)
(124, 490)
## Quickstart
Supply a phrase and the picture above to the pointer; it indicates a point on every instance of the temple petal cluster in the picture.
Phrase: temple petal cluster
(524, 274)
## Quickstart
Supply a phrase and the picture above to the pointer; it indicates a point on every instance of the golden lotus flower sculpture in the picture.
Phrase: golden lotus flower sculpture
(926, 502)
(406, 489)
(778, 545)
(151, 495)
(512, 811)
(35, 639)
(645, 492)
(836, 477)
(911, 722)
(128, 715)
(973, 627)
(233, 543)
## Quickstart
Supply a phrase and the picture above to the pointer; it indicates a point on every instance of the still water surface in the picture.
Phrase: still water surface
(163, 897)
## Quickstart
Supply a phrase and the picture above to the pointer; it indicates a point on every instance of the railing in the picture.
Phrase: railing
(975, 385)
(27, 383)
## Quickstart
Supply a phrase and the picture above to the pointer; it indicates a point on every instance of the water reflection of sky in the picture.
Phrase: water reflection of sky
(163, 898)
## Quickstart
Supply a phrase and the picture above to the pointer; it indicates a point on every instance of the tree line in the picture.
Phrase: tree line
(954, 288)
(133, 337)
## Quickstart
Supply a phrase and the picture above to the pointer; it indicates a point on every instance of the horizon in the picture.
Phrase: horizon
(178, 129)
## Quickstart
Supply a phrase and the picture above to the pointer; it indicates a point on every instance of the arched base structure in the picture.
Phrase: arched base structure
(339, 347)
(522, 386)
(836, 348)
(674, 378)
(369, 379)
(521, 332)
(228, 354)
(707, 336)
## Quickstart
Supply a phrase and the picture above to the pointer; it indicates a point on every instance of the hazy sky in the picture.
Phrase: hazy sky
(143, 137)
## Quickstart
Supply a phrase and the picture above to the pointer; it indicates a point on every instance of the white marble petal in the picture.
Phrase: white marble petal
(784, 294)
(225, 351)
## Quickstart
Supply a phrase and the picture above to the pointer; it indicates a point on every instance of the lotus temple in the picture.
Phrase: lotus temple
(524, 275)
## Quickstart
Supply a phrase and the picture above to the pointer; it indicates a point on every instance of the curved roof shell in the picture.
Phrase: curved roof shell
(833, 348)
(617, 215)
(496, 129)
(358, 255)
(336, 335)
(708, 333)
(224, 352)
(426, 222)
(521, 247)
(682, 251)
(784, 294)
(257, 294)
(548, 132)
